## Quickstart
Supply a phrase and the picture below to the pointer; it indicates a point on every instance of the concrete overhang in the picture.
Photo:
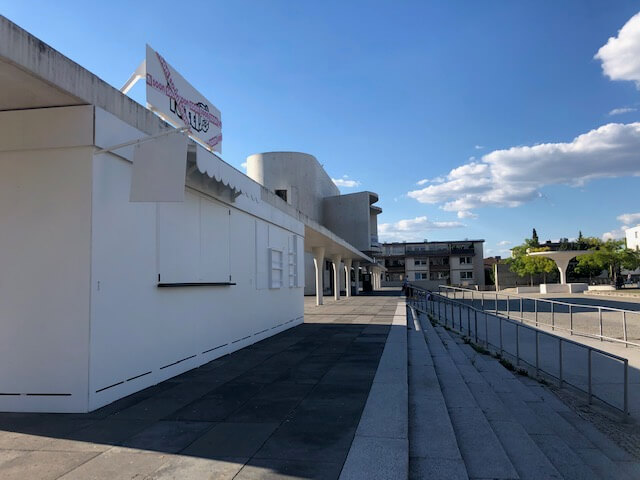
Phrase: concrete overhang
(34, 75)
(315, 235)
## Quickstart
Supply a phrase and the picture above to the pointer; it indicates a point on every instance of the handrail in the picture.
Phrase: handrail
(493, 296)
(430, 298)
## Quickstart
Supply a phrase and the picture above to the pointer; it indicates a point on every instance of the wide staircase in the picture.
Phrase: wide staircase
(470, 417)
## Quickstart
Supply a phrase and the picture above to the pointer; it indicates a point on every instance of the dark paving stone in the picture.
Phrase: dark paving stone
(168, 437)
(231, 440)
(309, 442)
(218, 404)
(278, 469)
(273, 404)
(343, 411)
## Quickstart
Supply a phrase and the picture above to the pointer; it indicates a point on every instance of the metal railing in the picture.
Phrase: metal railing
(600, 322)
(545, 353)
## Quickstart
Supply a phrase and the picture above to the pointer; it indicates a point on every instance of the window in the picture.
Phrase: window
(466, 260)
(421, 276)
(275, 277)
(466, 275)
(282, 194)
(420, 262)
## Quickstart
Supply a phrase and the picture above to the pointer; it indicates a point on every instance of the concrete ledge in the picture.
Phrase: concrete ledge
(380, 448)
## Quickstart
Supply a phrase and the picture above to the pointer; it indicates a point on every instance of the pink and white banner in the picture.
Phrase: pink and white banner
(171, 96)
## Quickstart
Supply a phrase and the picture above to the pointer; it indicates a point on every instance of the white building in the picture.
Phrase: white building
(101, 296)
(300, 180)
(633, 237)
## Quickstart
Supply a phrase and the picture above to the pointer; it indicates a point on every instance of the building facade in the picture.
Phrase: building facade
(103, 294)
(430, 264)
(300, 181)
(633, 237)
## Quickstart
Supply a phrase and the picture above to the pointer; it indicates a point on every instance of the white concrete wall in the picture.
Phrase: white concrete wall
(348, 217)
(81, 315)
(633, 237)
(300, 174)
(45, 229)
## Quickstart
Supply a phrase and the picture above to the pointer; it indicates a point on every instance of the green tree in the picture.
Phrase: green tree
(523, 265)
(535, 241)
(612, 255)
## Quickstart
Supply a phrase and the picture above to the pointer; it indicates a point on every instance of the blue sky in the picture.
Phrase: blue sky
(386, 94)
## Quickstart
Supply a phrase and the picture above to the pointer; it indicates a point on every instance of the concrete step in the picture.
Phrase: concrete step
(529, 461)
(481, 450)
(570, 443)
(433, 449)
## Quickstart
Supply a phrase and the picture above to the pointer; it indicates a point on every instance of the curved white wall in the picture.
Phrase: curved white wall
(300, 174)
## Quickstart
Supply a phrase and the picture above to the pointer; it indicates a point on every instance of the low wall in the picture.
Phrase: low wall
(528, 290)
(601, 288)
(563, 288)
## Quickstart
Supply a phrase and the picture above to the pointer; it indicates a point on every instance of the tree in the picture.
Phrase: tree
(523, 265)
(535, 242)
(612, 255)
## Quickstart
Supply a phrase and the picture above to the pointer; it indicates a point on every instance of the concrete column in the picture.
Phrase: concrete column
(356, 271)
(562, 265)
(335, 260)
(347, 275)
(318, 263)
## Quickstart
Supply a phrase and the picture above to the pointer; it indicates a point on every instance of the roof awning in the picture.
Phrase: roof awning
(224, 174)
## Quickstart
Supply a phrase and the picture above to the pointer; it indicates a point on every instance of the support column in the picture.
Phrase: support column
(335, 260)
(318, 263)
(356, 271)
(347, 276)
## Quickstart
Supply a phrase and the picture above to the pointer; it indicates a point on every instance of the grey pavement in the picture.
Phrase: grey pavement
(286, 407)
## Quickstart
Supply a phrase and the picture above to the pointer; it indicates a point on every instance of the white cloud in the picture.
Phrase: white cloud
(412, 229)
(478, 147)
(615, 234)
(504, 243)
(244, 165)
(629, 218)
(620, 56)
(424, 181)
(511, 177)
(466, 214)
(621, 110)
(345, 182)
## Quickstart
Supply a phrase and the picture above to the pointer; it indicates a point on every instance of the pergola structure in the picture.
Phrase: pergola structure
(562, 259)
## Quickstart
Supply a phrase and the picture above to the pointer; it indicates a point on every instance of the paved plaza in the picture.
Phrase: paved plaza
(286, 407)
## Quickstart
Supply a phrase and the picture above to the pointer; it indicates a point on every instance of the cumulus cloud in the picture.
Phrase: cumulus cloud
(629, 218)
(412, 229)
(466, 214)
(478, 147)
(620, 56)
(346, 182)
(511, 177)
(504, 243)
(244, 165)
(621, 110)
(615, 234)
(424, 181)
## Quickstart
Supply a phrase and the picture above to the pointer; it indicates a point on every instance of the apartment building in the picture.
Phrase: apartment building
(430, 264)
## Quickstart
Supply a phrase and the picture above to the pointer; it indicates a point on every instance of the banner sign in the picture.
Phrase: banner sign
(171, 96)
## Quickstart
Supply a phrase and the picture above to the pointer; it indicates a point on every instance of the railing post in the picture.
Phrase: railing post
(469, 321)
(496, 302)
(517, 345)
(500, 332)
(626, 389)
(537, 354)
(521, 310)
(486, 330)
(600, 320)
(552, 317)
(570, 319)
(482, 300)
(624, 328)
(535, 307)
(508, 306)
(589, 373)
(560, 362)
(475, 325)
